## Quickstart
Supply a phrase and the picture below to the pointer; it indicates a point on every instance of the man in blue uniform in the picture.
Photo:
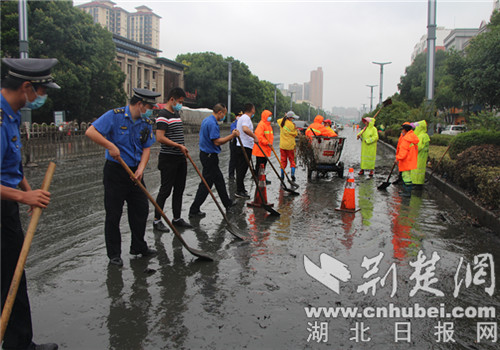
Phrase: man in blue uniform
(25, 85)
(210, 142)
(127, 133)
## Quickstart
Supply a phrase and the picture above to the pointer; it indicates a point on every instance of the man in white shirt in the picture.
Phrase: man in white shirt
(248, 138)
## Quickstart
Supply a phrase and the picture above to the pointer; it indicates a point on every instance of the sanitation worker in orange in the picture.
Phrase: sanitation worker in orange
(264, 133)
(407, 156)
(318, 129)
(328, 126)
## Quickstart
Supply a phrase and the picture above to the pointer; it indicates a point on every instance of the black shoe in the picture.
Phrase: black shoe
(160, 227)
(242, 195)
(199, 214)
(268, 182)
(48, 346)
(148, 252)
(293, 178)
(115, 261)
(181, 223)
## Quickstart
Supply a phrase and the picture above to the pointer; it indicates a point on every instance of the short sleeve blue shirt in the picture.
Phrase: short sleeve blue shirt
(209, 131)
(10, 139)
(130, 137)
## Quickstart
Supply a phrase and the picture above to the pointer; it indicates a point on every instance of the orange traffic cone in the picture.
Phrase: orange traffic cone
(349, 198)
(257, 201)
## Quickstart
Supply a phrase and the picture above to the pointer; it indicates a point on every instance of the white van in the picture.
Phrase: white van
(454, 129)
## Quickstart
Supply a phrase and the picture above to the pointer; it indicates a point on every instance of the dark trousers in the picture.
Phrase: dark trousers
(241, 168)
(233, 148)
(19, 330)
(118, 189)
(212, 174)
(173, 170)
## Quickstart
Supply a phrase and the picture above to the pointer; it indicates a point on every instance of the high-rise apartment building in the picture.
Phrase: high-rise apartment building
(297, 90)
(316, 88)
(142, 26)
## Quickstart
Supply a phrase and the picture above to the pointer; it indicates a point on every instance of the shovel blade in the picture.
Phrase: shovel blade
(384, 185)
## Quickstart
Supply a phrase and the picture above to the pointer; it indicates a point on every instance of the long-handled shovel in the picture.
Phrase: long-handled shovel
(195, 252)
(229, 227)
(294, 184)
(18, 272)
(265, 206)
(386, 184)
(437, 165)
(278, 175)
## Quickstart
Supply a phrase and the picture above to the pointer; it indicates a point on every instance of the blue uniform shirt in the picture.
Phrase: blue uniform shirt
(118, 127)
(234, 124)
(209, 131)
(12, 169)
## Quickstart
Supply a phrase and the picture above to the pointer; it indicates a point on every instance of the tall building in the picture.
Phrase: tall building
(421, 46)
(459, 38)
(297, 90)
(316, 88)
(143, 26)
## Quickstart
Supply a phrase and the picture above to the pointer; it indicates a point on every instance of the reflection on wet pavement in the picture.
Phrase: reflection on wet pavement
(253, 296)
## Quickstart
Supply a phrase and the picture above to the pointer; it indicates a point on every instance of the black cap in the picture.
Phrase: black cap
(146, 96)
(34, 70)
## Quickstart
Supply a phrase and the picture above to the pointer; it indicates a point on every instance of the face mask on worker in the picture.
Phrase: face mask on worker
(147, 114)
(223, 118)
(178, 107)
(269, 119)
(38, 102)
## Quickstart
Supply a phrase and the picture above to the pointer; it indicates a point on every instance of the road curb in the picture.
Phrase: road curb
(484, 216)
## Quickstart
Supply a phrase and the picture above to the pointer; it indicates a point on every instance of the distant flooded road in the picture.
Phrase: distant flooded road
(411, 253)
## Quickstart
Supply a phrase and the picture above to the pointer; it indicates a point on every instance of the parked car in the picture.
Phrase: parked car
(301, 126)
(454, 129)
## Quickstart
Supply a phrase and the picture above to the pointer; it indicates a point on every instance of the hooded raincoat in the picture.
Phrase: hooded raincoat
(407, 154)
(264, 133)
(318, 129)
(288, 132)
(418, 174)
(369, 139)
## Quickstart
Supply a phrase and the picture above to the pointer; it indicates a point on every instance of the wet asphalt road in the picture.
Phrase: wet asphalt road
(253, 296)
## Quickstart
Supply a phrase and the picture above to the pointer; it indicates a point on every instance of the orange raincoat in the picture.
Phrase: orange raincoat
(318, 129)
(407, 153)
(264, 132)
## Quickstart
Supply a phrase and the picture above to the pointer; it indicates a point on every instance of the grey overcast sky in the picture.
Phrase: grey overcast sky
(283, 41)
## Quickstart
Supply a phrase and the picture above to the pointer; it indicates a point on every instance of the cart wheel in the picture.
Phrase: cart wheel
(340, 172)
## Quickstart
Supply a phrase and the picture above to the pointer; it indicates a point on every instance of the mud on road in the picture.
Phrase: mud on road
(255, 294)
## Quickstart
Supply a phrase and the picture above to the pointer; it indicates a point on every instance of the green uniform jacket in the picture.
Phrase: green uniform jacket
(418, 174)
(369, 140)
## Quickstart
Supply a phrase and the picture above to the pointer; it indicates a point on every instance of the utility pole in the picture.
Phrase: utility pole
(230, 68)
(291, 99)
(23, 51)
(431, 49)
(381, 78)
(364, 108)
(275, 116)
(371, 96)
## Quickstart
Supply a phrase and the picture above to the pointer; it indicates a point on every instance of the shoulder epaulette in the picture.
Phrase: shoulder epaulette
(149, 121)
(119, 110)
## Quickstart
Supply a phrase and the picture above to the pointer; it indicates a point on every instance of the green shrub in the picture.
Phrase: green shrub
(473, 138)
(441, 140)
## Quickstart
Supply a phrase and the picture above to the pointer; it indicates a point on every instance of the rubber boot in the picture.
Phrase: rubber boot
(407, 188)
(282, 175)
(293, 174)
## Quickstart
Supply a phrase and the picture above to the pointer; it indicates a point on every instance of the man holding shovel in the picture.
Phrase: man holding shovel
(210, 142)
(25, 85)
(127, 133)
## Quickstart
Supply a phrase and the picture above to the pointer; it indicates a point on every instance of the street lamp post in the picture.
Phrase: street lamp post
(275, 88)
(291, 99)
(229, 78)
(381, 64)
(371, 96)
